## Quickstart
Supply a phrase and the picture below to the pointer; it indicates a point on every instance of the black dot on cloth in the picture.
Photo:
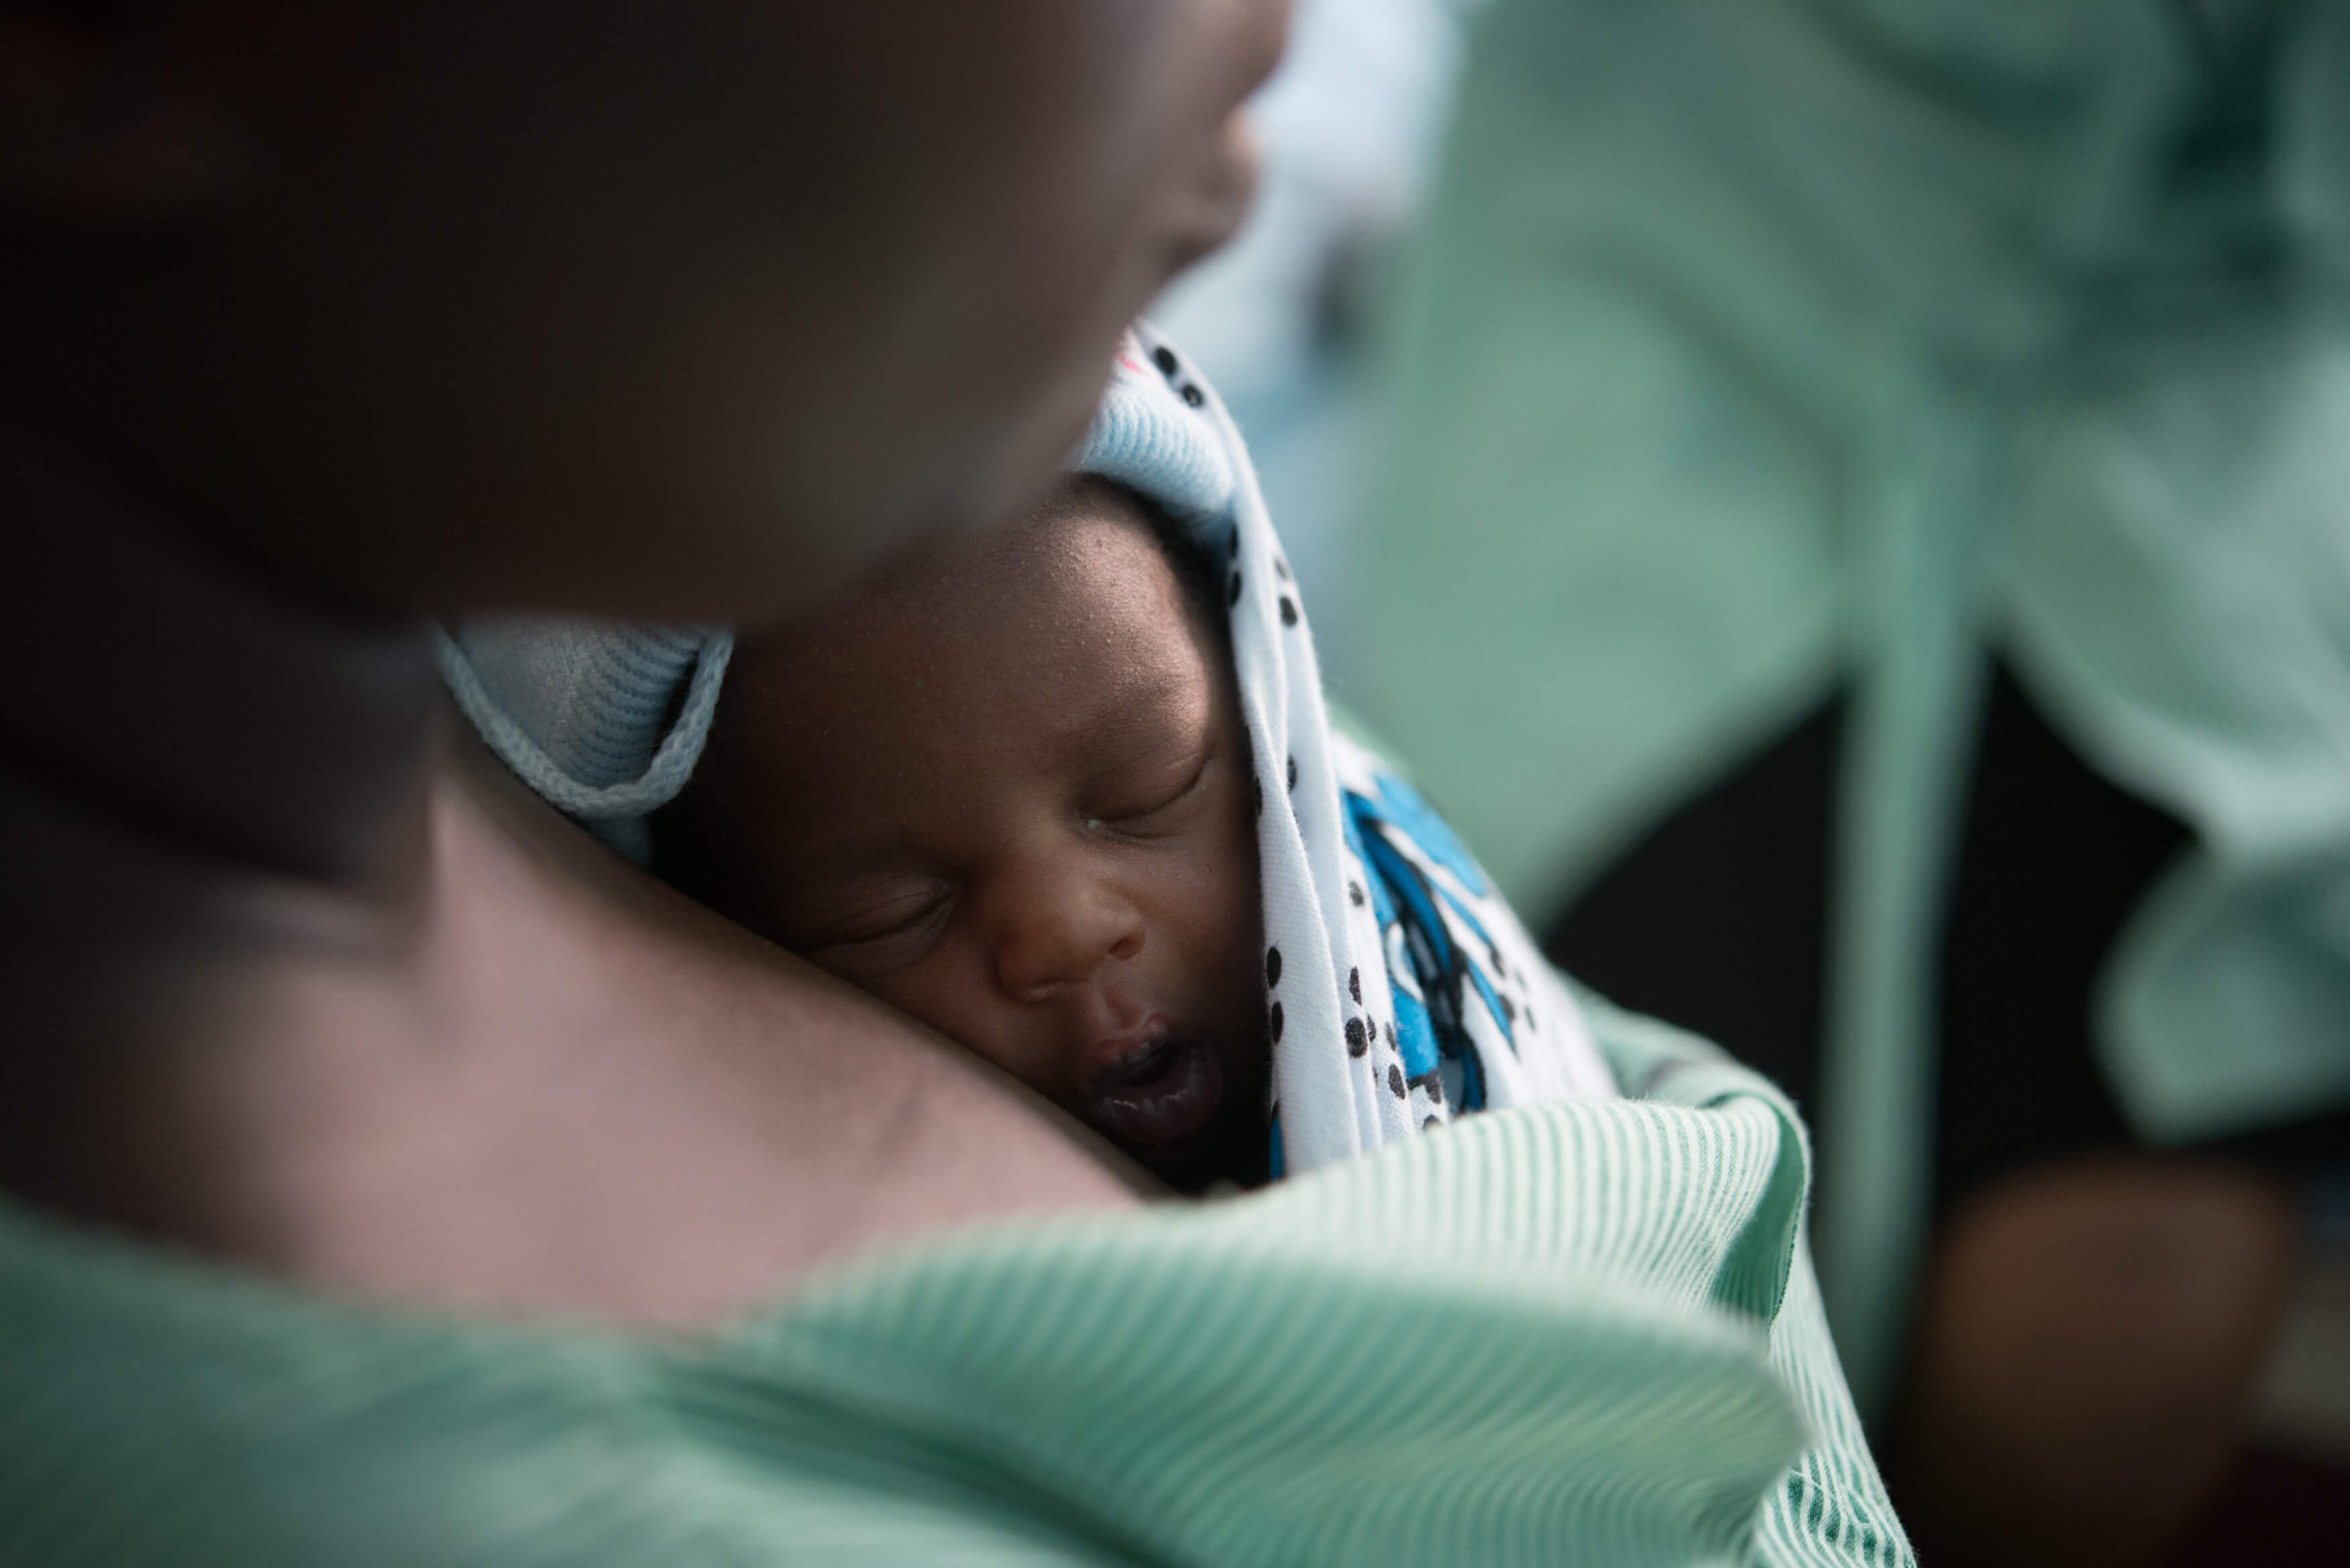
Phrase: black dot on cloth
(1258, 785)
(1273, 966)
(1293, 773)
(1233, 597)
(1358, 1041)
(1164, 357)
(1192, 395)
(1391, 1045)
(1281, 568)
(1431, 1084)
(1355, 984)
(1355, 894)
(1509, 1010)
(1395, 1080)
(1288, 610)
(1274, 1021)
(1431, 1122)
(1496, 955)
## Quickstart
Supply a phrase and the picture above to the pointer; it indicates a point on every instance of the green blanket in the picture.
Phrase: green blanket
(1584, 1334)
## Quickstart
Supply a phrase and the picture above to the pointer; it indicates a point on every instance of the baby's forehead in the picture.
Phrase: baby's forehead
(1060, 657)
(1086, 560)
(1078, 596)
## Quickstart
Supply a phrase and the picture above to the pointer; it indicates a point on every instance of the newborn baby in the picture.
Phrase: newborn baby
(1069, 794)
(1008, 791)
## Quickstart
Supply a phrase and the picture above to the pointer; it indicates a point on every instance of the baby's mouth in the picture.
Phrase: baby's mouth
(1163, 1090)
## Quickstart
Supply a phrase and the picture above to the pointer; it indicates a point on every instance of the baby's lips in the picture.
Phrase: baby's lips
(1160, 1090)
(1115, 1032)
(1127, 1055)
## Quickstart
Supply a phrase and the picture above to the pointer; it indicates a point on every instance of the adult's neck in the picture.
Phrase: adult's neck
(203, 717)
(201, 778)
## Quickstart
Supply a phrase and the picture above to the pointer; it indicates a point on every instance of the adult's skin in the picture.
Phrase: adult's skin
(315, 319)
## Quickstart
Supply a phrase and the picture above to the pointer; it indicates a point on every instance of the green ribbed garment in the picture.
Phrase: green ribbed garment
(1756, 351)
(1586, 1334)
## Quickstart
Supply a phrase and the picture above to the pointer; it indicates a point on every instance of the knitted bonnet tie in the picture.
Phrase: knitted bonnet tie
(1399, 988)
(604, 719)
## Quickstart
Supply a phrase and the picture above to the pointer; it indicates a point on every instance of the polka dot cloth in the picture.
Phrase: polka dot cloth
(1400, 988)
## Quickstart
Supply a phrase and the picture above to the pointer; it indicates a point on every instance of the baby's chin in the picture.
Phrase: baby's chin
(1188, 1110)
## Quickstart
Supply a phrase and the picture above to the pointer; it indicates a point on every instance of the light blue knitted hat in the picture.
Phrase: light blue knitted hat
(1152, 432)
(606, 720)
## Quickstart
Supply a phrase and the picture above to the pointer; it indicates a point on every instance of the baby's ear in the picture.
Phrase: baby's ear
(97, 134)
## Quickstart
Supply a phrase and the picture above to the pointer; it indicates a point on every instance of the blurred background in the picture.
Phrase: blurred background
(1846, 504)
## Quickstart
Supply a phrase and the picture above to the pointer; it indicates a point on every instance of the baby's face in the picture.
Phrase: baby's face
(1010, 794)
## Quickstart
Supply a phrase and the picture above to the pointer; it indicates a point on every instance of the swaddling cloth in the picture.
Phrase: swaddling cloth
(1401, 990)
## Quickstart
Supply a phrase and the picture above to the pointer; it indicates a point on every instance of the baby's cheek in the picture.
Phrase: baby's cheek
(1236, 919)
(952, 994)
(1245, 893)
(906, 991)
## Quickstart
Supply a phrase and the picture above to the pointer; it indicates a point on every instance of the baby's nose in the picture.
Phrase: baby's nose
(1055, 932)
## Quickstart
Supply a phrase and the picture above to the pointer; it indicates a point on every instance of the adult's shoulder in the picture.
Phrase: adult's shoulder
(695, 1117)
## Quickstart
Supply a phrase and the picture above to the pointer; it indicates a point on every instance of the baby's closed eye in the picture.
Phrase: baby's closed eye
(879, 931)
(1151, 805)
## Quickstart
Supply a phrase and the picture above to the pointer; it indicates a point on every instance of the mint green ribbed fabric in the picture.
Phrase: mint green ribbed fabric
(1756, 351)
(1585, 1334)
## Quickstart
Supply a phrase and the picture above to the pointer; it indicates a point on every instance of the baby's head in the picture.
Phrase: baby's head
(1009, 791)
